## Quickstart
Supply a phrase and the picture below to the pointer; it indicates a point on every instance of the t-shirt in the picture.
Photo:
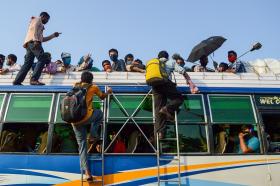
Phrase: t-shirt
(92, 90)
(253, 143)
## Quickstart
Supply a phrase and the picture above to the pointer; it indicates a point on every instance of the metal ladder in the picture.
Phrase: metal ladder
(177, 158)
(101, 158)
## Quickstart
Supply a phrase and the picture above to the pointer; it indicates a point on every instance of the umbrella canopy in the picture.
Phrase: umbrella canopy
(206, 47)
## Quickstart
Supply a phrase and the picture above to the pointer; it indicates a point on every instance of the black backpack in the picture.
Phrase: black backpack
(73, 106)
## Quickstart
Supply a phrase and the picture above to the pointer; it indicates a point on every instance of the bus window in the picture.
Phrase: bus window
(122, 107)
(130, 139)
(64, 140)
(192, 109)
(272, 128)
(192, 139)
(230, 139)
(29, 108)
(231, 109)
(18, 137)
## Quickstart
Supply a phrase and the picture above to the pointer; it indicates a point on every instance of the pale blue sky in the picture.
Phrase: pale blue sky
(143, 27)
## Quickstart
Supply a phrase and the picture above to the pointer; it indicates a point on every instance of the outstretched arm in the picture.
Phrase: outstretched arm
(193, 87)
(54, 35)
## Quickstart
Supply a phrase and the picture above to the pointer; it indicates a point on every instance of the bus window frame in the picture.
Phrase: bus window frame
(50, 109)
(2, 111)
(237, 95)
(261, 111)
(122, 107)
(204, 109)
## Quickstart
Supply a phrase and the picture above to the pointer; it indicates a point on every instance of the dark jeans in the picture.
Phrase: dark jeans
(31, 53)
(161, 93)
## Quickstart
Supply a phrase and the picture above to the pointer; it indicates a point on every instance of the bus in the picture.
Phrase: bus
(38, 148)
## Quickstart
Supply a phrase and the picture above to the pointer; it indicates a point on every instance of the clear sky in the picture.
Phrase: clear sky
(143, 27)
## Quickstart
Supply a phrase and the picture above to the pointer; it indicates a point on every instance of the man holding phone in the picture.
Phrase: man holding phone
(248, 143)
(33, 45)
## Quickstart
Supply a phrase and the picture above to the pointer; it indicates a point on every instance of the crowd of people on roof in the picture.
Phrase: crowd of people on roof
(45, 64)
(128, 64)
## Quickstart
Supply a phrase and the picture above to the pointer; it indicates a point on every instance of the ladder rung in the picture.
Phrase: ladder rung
(168, 139)
(99, 159)
(169, 180)
(168, 159)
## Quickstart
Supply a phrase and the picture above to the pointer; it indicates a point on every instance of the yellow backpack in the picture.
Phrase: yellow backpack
(155, 72)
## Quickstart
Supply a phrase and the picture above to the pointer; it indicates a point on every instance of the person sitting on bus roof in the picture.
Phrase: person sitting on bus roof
(106, 66)
(203, 65)
(235, 66)
(248, 143)
(133, 65)
(2, 59)
(117, 64)
(66, 65)
(165, 110)
(93, 118)
(222, 67)
(180, 61)
(12, 64)
(85, 63)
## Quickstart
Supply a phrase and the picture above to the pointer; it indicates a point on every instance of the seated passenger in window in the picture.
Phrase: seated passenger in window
(248, 142)
(222, 138)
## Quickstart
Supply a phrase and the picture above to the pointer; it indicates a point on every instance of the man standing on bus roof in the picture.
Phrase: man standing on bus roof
(165, 111)
(93, 118)
(33, 45)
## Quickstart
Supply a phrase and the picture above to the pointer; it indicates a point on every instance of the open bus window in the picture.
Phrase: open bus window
(229, 139)
(64, 140)
(272, 128)
(192, 109)
(231, 109)
(130, 139)
(29, 108)
(139, 107)
(27, 137)
(192, 139)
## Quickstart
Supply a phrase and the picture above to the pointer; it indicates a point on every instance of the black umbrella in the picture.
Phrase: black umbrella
(206, 47)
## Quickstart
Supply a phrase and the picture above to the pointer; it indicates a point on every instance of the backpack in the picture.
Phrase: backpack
(73, 106)
(156, 73)
(8, 141)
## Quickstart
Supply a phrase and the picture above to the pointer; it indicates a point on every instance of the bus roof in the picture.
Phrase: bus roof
(135, 82)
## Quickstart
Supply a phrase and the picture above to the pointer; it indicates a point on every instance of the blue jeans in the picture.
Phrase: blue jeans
(81, 135)
(31, 53)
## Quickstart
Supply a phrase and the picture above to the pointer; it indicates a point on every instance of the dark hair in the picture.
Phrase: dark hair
(13, 57)
(106, 61)
(162, 54)
(139, 61)
(128, 56)
(223, 65)
(113, 50)
(232, 52)
(2, 57)
(86, 77)
(44, 14)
